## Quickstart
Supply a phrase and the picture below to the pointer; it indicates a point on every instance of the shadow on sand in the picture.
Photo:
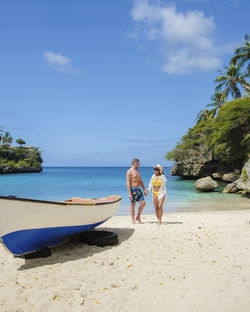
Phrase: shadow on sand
(72, 250)
(164, 223)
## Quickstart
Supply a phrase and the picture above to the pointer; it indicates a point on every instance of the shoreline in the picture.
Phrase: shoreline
(194, 261)
(228, 202)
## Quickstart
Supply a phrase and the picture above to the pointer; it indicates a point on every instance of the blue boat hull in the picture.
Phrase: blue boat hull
(27, 241)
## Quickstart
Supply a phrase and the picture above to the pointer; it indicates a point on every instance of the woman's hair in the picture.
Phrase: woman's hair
(159, 168)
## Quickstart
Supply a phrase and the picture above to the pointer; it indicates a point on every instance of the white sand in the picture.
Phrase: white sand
(193, 262)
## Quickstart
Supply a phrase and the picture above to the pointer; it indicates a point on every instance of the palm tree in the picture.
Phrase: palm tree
(231, 80)
(217, 101)
(242, 54)
(7, 138)
(205, 115)
(1, 132)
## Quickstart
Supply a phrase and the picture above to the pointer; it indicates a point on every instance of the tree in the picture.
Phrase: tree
(217, 101)
(20, 142)
(7, 138)
(242, 54)
(1, 132)
(231, 80)
(205, 115)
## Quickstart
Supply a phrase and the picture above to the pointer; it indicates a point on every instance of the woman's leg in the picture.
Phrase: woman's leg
(155, 200)
(160, 204)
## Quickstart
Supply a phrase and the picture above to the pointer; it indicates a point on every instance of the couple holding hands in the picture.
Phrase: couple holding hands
(157, 184)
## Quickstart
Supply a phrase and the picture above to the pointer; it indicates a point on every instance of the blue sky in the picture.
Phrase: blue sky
(97, 83)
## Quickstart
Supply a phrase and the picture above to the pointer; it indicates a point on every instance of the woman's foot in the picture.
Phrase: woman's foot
(138, 219)
(159, 222)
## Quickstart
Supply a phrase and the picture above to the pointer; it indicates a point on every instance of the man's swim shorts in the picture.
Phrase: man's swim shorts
(137, 194)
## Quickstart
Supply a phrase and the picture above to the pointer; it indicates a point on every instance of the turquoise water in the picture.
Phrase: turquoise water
(60, 183)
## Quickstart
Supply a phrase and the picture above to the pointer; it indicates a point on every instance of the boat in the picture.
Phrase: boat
(28, 225)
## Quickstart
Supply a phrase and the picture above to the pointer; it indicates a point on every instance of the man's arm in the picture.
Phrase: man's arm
(129, 184)
(144, 189)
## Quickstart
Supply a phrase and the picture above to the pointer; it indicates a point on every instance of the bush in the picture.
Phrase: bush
(11, 164)
(20, 157)
(23, 163)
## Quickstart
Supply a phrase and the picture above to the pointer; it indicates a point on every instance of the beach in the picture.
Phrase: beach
(194, 261)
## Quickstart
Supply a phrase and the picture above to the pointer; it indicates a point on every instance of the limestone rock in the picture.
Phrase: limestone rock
(199, 169)
(231, 176)
(217, 175)
(206, 184)
(241, 185)
(6, 169)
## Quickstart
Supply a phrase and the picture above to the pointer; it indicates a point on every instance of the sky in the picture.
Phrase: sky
(97, 83)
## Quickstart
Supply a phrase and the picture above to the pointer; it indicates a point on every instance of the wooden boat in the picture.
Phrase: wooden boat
(27, 225)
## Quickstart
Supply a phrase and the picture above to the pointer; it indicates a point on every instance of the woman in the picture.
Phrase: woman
(158, 184)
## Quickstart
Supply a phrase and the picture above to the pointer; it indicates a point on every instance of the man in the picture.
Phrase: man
(134, 184)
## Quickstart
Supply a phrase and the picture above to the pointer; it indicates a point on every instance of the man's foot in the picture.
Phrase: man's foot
(133, 221)
(159, 222)
(138, 219)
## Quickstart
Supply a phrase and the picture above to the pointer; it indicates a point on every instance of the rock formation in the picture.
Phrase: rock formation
(241, 185)
(206, 184)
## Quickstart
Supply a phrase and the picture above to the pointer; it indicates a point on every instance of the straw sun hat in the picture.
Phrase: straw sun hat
(159, 167)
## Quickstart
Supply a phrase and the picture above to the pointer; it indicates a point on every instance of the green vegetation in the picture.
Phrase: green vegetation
(17, 157)
(20, 142)
(223, 130)
(226, 135)
(7, 138)
(242, 54)
(244, 175)
(231, 79)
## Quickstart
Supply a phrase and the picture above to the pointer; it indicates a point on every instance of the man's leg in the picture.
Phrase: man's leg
(142, 205)
(132, 212)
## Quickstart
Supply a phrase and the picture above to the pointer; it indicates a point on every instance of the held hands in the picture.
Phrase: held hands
(131, 198)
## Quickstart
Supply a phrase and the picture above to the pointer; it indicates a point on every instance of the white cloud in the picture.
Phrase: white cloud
(181, 62)
(186, 39)
(60, 63)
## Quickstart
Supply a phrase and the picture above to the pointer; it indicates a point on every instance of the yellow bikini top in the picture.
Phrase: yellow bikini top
(158, 182)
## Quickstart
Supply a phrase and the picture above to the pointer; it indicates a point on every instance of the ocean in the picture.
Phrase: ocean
(61, 183)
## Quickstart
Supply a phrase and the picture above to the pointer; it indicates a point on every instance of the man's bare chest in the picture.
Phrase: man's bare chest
(135, 175)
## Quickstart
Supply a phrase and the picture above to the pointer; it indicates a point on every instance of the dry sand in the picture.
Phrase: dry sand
(197, 261)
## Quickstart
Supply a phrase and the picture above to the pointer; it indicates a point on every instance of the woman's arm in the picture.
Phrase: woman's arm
(150, 186)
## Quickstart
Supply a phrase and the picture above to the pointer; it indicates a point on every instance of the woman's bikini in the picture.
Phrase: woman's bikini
(156, 183)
